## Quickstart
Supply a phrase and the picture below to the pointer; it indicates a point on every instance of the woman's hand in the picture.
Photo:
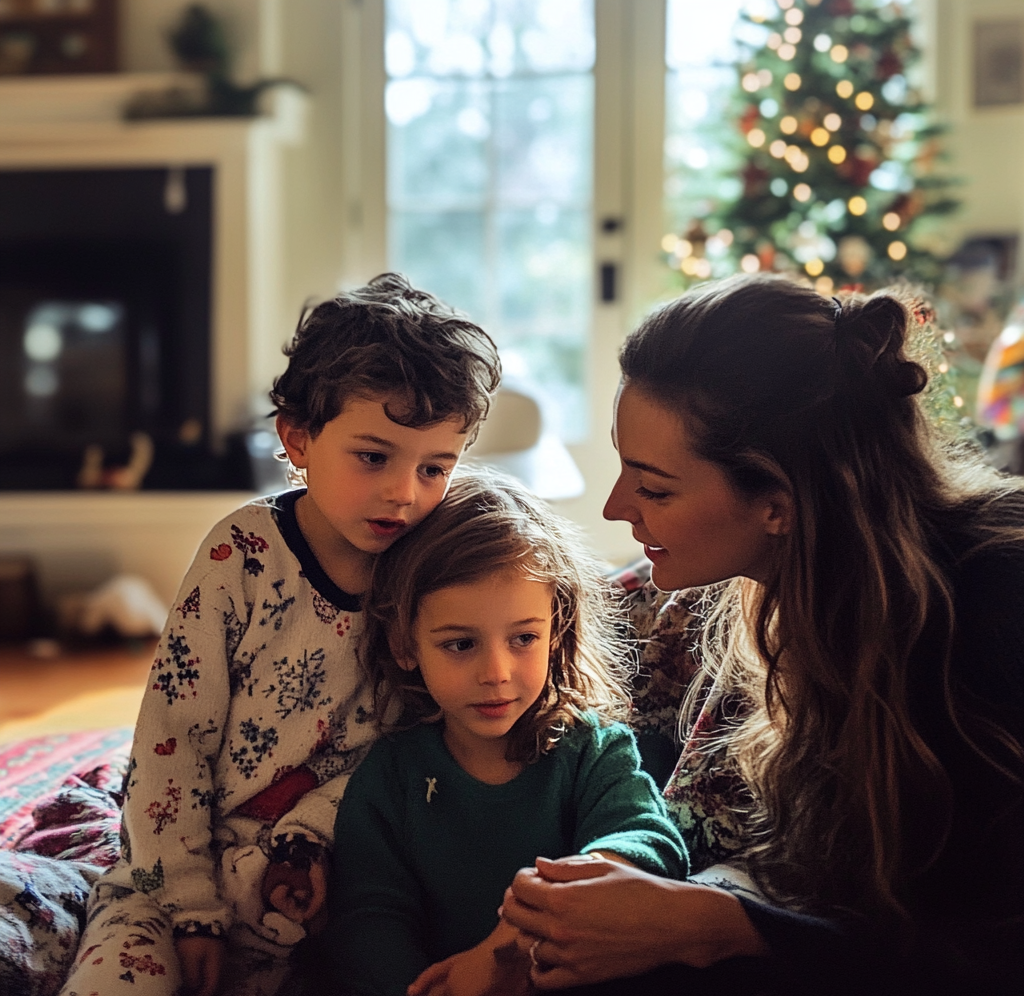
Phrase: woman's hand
(495, 966)
(585, 921)
(201, 959)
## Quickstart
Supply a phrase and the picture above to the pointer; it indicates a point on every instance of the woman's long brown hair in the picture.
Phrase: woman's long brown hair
(793, 393)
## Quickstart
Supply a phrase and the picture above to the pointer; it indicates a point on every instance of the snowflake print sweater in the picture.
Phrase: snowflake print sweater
(254, 717)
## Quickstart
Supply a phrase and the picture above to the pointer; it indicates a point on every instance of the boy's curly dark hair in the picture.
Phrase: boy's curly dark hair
(488, 523)
(387, 339)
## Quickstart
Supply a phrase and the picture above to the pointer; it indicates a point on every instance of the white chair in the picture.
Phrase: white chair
(518, 439)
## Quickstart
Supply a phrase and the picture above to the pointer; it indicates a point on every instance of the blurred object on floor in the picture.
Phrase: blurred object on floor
(126, 605)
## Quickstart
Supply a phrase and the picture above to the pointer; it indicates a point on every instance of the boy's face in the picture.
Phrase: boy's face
(370, 479)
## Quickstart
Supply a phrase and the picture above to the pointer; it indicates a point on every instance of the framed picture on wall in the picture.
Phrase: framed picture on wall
(999, 62)
(58, 36)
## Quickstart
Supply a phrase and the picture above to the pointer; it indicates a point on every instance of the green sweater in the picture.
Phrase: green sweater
(424, 851)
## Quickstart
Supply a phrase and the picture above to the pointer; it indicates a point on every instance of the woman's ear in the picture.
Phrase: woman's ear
(294, 440)
(779, 514)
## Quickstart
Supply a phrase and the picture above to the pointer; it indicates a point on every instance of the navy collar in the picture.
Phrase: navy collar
(283, 509)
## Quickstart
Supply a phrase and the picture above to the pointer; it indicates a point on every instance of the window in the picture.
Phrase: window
(490, 138)
(700, 79)
(529, 245)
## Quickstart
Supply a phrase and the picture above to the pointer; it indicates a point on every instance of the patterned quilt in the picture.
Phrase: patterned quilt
(59, 828)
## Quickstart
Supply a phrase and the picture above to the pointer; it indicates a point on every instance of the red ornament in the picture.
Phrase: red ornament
(924, 313)
(755, 180)
(841, 8)
(889, 64)
(856, 171)
(749, 118)
(908, 206)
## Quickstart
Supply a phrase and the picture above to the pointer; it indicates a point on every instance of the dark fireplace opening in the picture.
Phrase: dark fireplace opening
(105, 291)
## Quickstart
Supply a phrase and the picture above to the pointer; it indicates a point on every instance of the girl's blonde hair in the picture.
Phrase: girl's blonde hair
(815, 398)
(488, 523)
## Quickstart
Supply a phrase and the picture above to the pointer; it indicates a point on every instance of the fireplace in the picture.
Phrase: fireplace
(192, 406)
(140, 283)
(105, 325)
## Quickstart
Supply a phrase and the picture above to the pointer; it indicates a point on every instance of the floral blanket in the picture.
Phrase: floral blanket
(60, 799)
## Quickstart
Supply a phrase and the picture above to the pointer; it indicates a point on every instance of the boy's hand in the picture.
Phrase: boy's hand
(201, 959)
(296, 892)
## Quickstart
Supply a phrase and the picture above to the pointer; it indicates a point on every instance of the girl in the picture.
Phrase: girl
(865, 666)
(492, 642)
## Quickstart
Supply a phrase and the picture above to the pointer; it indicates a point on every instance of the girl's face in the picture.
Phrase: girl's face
(482, 649)
(695, 527)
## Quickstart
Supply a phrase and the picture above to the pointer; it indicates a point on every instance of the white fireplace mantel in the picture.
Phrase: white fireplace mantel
(75, 122)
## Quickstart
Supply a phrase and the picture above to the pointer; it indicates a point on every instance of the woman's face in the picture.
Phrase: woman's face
(695, 527)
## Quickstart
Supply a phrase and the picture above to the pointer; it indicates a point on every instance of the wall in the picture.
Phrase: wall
(251, 27)
(986, 145)
(76, 543)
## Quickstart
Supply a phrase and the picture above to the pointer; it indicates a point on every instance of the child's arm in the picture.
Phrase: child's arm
(302, 837)
(169, 789)
(620, 811)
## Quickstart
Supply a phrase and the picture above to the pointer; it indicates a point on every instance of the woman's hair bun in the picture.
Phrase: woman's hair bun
(875, 332)
(908, 378)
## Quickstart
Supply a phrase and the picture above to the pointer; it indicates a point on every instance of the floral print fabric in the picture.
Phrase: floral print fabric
(705, 794)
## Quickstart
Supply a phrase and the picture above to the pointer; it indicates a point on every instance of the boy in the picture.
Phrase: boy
(255, 715)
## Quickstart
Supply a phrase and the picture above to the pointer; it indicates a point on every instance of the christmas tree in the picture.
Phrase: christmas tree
(835, 150)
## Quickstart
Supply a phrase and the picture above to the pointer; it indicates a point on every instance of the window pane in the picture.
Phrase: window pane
(699, 52)
(543, 263)
(443, 253)
(490, 108)
(495, 38)
(437, 143)
(544, 139)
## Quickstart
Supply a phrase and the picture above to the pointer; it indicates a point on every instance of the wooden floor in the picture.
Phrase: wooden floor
(30, 684)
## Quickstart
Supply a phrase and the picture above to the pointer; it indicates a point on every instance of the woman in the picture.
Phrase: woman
(864, 663)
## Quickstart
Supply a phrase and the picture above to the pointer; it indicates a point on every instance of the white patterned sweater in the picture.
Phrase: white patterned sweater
(254, 717)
